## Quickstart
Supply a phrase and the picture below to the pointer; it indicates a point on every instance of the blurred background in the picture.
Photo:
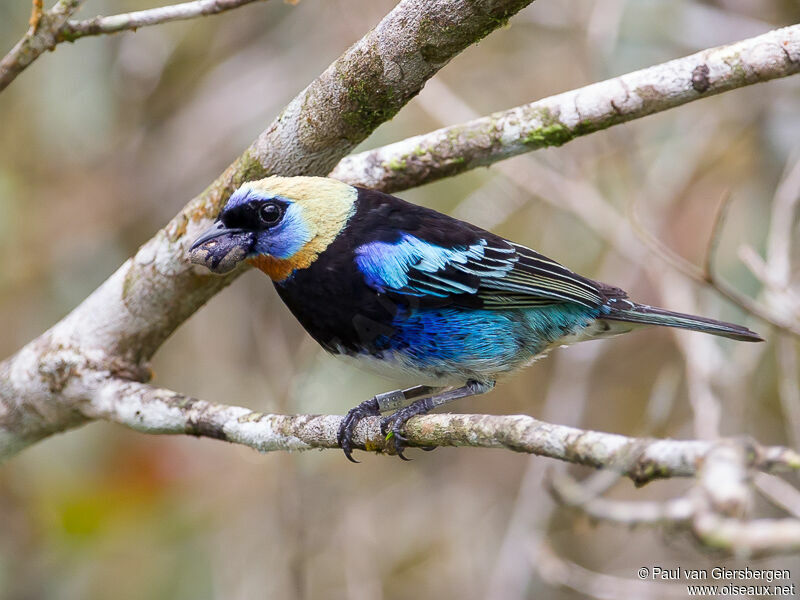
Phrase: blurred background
(102, 141)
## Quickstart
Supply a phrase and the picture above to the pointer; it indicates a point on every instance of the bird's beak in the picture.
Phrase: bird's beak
(220, 249)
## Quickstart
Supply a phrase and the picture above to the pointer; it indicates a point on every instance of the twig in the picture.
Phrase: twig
(42, 35)
(712, 511)
(565, 490)
(748, 538)
(723, 479)
(707, 275)
(746, 303)
(781, 225)
(789, 386)
(558, 571)
(36, 14)
(50, 28)
(779, 492)
(73, 30)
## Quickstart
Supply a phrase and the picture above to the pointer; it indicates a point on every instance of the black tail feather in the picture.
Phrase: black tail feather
(628, 312)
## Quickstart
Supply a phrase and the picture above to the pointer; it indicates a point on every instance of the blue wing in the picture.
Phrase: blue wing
(494, 273)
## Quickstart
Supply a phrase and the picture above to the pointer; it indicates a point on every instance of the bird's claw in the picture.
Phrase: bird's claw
(368, 408)
(392, 428)
(395, 435)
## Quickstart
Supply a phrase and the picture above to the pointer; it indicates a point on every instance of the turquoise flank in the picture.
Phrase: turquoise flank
(480, 343)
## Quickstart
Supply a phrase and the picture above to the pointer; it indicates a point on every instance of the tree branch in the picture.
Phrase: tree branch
(121, 324)
(91, 364)
(50, 28)
(73, 30)
(42, 35)
(558, 119)
(713, 510)
(158, 411)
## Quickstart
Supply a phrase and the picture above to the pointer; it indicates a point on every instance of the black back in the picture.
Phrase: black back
(332, 300)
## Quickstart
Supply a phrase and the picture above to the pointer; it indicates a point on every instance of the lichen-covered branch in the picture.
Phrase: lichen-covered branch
(712, 511)
(153, 410)
(122, 323)
(558, 119)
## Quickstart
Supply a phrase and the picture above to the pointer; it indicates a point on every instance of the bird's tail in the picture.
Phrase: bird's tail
(649, 315)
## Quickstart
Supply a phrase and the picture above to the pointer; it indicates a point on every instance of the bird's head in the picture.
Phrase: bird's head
(278, 224)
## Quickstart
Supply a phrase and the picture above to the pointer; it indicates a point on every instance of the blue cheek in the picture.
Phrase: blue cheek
(286, 238)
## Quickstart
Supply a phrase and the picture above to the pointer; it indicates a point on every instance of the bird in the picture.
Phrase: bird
(416, 294)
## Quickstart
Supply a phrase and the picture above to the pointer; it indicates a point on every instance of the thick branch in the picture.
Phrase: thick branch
(558, 119)
(120, 325)
(139, 306)
(152, 410)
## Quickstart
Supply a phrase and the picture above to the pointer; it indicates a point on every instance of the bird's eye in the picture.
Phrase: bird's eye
(270, 213)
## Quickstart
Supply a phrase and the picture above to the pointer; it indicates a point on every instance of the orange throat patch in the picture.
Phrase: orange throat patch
(278, 269)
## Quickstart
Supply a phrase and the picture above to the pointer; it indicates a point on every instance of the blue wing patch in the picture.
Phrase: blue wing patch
(501, 276)
(411, 266)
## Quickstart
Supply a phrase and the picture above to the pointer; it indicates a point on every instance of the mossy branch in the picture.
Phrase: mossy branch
(90, 365)
(122, 323)
(556, 120)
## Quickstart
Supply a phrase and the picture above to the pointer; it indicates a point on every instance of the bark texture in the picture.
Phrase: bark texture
(118, 327)
(558, 119)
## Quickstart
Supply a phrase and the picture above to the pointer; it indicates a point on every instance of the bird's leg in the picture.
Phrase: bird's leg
(394, 400)
(395, 422)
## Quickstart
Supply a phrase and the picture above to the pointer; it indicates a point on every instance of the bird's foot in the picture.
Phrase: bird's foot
(368, 408)
(393, 425)
(373, 407)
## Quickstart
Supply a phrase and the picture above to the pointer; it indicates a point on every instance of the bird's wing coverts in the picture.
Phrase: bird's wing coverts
(492, 273)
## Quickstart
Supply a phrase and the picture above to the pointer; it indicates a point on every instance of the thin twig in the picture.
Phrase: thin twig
(712, 511)
(565, 490)
(731, 293)
(779, 492)
(132, 21)
(42, 35)
(50, 28)
(758, 537)
(707, 275)
(36, 14)
(559, 571)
